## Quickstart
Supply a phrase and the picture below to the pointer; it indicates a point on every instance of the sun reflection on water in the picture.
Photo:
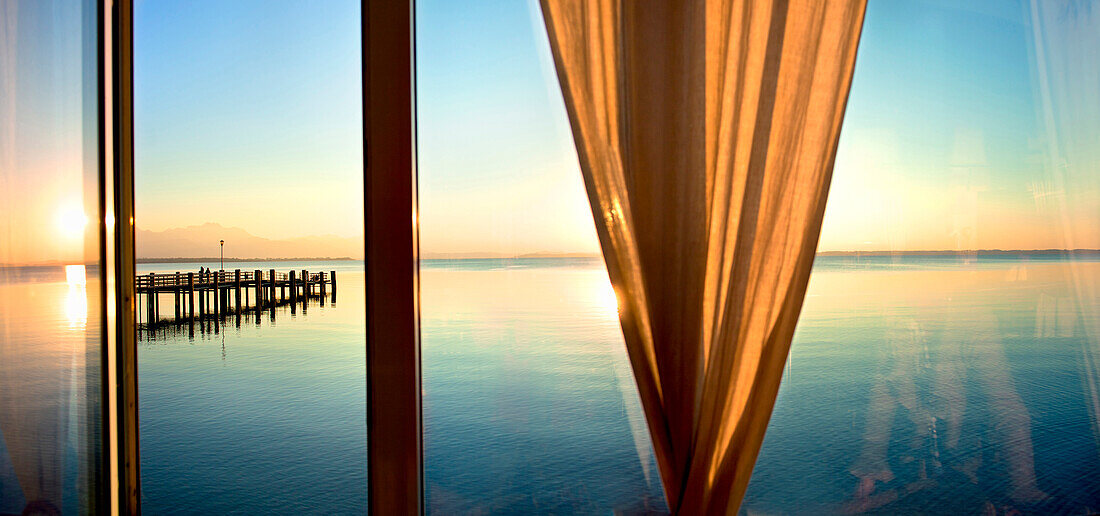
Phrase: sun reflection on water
(76, 275)
(76, 301)
(605, 296)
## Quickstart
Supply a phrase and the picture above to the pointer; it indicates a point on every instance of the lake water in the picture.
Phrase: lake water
(266, 417)
(939, 386)
(915, 385)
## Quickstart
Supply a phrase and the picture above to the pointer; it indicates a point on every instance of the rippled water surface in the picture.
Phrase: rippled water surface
(915, 385)
(938, 386)
(259, 414)
(50, 338)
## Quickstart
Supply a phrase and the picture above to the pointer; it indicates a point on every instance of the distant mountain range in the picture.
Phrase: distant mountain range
(195, 242)
(971, 252)
(202, 241)
(501, 256)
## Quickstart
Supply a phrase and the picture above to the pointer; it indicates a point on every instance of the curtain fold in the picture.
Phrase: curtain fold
(706, 132)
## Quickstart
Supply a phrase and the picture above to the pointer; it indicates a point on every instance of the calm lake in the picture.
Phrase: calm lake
(915, 385)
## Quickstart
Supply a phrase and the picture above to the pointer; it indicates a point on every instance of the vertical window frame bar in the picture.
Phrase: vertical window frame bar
(106, 502)
(126, 475)
(394, 426)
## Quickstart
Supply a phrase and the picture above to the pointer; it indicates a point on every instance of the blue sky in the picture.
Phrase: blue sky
(497, 168)
(945, 145)
(939, 129)
(249, 113)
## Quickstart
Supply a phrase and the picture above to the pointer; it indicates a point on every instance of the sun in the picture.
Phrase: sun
(71, 221)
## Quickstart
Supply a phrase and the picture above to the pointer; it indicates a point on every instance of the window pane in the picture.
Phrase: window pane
(248, 149)
(51, 297)
(946, 357)
(529, 401)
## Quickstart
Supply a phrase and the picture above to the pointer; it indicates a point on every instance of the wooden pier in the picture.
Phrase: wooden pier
(219, 293)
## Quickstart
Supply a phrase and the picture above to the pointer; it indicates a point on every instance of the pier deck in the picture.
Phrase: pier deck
(218, 293)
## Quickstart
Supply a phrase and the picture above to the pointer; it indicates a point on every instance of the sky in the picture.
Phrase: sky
(948, 143)
(249, 114)
(969, 126)
(942, 147)
(948, 139)
(497, 169)
(48, 146)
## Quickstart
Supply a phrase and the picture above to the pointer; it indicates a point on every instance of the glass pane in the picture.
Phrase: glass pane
(946, 357)
(51, 297)
(249, 164)
(529, 400)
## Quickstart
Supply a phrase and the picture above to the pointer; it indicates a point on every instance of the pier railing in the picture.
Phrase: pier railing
(179, 279)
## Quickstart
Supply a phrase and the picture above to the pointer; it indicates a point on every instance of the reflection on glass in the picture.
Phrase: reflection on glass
(945, 356)
(50, 308)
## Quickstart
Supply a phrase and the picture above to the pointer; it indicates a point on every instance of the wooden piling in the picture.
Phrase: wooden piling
(191, 295)
(293, 290)
(274, 300)
(212, 291)
(151, 298)
(223, 288)
(237, 289)
(257, 276)
(176, 294)
(217, 294)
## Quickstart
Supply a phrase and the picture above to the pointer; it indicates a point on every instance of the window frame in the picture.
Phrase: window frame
(394, 425)
(121, 383)
(393, 411)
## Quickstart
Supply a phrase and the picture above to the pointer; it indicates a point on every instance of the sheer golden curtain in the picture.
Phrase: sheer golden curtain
(706, 132)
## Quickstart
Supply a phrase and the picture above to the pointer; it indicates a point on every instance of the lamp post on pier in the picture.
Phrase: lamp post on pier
(221, 251)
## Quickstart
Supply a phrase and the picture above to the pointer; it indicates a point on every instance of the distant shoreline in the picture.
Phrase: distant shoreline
(478, 256)
(235, 260)
(977, 252)
(1019, 253)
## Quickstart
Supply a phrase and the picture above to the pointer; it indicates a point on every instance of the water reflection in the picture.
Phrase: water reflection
(962, 389)
(76, 301)
(242, 415)
(934, 436)
(49, 318)
(48, 351)
(530, 405)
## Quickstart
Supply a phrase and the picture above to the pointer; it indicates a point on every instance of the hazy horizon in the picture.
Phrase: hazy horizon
(546, 252)
(201, 242)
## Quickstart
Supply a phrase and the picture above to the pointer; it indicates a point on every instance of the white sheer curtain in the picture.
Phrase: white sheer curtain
(706, 132)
